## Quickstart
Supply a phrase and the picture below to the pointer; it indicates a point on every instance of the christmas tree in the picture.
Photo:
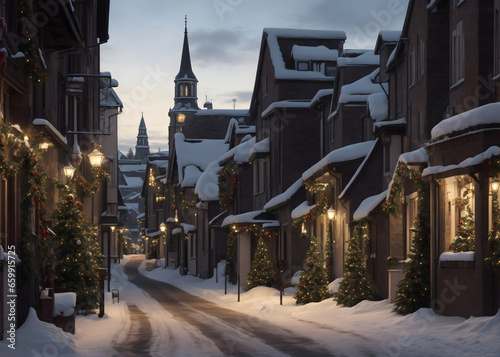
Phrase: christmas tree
(78, 254)
(465, 239)
(356, 285)
(413, 291)
(313, 283)
(261, 272)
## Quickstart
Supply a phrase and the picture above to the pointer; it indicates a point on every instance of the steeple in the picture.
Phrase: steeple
(142, 146)
(186, 71)
(186, 91)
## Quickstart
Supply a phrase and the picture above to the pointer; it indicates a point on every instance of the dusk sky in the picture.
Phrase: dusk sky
(144, 49)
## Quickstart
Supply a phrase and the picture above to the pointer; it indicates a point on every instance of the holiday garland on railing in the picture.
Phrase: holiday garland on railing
(320, 207)
(89, 188)
(228, 186)
(28, 43)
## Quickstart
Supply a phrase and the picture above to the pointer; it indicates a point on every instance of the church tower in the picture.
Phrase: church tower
(142, 146)
(186, 92)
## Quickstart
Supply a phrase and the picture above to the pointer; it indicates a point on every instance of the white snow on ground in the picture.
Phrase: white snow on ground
(372, 324)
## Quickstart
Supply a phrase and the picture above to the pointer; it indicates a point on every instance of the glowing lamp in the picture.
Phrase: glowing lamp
(96, 158)
(69, 171)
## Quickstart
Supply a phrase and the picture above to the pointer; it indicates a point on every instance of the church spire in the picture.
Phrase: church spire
(142, 146)
(186, 71)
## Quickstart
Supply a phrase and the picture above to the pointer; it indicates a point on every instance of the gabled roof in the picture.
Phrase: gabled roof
(386, 37)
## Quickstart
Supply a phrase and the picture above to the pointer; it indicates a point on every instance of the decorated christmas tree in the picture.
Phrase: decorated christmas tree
(261, 272)
(413, 291)
(78, 254)
(465, 239)
(313, 283)
(356, 285)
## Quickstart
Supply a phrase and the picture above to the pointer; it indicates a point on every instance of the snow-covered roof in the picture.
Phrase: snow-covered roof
(314, 53)
(53, 131)
(260, 147)
(195, 154)
(368, 205)
(390, 35)
(378, 106)
(240, 153)
(239, 128)
(191, 175)
(235, 113)
(287, 104)
(360, 168)
(486, 114)
(133, 181)
(131, 206)
(385, 123)
(188, 227)
(338, 156)
(366, 59)
(301, 210)
(132, 168)
(244, 218)
(282, 198)
(415, 157)
(109, 98)
(320, 94)
(207, 187)
(470, 161)
(359, 90)
(281, 72)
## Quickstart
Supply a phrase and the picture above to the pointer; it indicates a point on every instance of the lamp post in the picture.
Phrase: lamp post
(163, 229)
(112, 228)
(96, 159)
(331, 216)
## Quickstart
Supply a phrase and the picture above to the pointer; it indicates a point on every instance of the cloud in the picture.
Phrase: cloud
(221, 46)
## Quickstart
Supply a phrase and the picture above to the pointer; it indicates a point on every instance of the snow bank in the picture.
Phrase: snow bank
(378, 106)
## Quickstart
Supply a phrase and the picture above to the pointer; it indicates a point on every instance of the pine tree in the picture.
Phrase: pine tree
(78, 255)
(357, 284)
(493, 245)
(413, 291)
(261, 272)
(465, 239)
(313, 282)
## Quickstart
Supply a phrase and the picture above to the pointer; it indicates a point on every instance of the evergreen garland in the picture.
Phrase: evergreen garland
(28, 44)
(356, 284)
(313, 282)
(228, 186)
(89, 188)
(261, 272)
(320, 207)
(465, 240)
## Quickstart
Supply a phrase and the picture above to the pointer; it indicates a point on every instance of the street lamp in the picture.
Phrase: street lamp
(69, 171)
(96, 158)
(494, 185)
(112, 228)
(163, 229)
(331, 214)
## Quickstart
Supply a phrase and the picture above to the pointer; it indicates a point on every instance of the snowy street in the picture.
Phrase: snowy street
(162, 320)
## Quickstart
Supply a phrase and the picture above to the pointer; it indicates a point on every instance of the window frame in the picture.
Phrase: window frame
(457, 55)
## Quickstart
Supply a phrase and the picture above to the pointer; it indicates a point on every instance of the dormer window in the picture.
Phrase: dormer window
(317, 59)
